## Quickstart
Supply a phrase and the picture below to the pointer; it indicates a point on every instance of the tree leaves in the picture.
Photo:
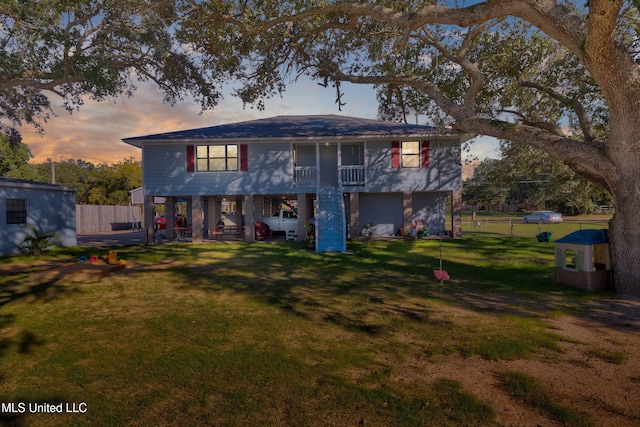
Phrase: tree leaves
(94, 48)
(524, 173)
(104, 184)
(13, 155)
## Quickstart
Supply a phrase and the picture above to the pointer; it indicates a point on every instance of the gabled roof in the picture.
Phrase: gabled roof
(293, 127)
(585, 237)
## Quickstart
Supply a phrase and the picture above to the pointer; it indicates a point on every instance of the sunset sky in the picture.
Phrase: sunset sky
(94, 132)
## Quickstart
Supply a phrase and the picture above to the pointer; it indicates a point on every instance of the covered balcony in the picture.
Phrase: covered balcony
(349, 160)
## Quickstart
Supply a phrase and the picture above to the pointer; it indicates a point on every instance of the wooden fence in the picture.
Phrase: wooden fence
(99, 219)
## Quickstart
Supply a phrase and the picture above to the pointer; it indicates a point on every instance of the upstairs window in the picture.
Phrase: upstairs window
(410, 154)
(216, 158)
(16, 211)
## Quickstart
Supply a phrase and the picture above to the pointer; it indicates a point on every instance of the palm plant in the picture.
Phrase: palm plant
(37, 242)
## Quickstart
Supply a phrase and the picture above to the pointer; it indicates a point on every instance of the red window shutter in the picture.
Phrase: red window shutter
(244, 162)
(426, 154)
(395, 154)
(190, 158)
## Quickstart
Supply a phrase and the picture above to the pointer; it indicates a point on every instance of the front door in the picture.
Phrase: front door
(328, 164)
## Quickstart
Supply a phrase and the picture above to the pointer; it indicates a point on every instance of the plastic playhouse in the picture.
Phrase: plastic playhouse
(582, 260)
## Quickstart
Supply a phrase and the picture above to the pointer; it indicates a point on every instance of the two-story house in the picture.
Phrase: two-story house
(338, 172)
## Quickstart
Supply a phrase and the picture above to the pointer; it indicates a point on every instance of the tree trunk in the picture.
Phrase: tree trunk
(624, 234)
(624, 230)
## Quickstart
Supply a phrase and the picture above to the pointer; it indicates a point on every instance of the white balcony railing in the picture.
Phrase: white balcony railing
(349, 175)
(352, 175)
(305, 175)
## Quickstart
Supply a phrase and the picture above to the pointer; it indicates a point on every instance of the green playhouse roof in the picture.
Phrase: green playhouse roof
(585, 237)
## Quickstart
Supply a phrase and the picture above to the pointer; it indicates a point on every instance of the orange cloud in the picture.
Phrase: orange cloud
(94, 132)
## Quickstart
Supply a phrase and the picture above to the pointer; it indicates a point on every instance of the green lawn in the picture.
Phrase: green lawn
(268, 334)
(508, 224)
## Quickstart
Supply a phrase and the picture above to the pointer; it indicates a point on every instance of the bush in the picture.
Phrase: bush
(310, 238)
(366, 233)
(409, 237)
(37, 242)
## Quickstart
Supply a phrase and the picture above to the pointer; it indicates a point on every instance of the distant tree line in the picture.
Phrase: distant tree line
(526, 175)
(102, 184)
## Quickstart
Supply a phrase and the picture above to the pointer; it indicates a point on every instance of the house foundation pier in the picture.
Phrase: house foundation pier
(249, 229)
(354, 215)
(170, 215)
(196, 218)
(407, 211)
(212, 215)
(149, 226)
(456, 214)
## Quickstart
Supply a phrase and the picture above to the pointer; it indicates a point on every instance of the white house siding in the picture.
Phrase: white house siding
(165, 173)
(383, 210)
(50, 208)
(430, 207)
(271, 171)
(381, 177)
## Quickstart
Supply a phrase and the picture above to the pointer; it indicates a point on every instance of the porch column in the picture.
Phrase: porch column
(149, 226)
(303, 216)
(169, 216)
(407, 211)
(354, 215)
(196, 218)
(456, 214)
(258, 204)
(249, 232)
(205, 218)
(212, 217)
(239, 210)
(189, 214)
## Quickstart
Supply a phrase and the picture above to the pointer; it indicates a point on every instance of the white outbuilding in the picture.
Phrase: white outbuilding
(50, 208)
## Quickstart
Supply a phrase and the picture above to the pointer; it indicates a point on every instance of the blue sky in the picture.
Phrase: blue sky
(94, 132)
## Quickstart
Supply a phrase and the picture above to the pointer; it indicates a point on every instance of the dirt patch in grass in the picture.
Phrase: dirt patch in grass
(590, 366)
(79, 272)
(597, 370)
(34, 265)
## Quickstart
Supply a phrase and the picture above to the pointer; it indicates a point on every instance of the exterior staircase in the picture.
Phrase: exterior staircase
(330, 225)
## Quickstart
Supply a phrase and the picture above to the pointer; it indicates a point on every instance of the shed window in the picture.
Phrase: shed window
(214, 158)
(16, 211)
